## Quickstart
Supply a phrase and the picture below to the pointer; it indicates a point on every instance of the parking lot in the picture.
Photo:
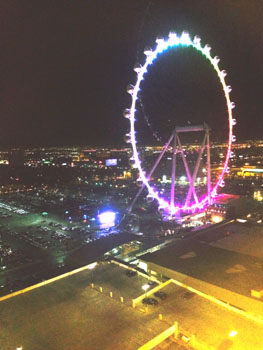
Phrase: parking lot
(32, 244)
(68, 314)
(211, 323)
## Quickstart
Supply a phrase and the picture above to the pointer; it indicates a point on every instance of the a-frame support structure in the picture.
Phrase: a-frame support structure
(177, 149)
(191, 177)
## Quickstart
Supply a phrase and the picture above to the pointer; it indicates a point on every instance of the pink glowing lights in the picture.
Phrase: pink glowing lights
(174, 40)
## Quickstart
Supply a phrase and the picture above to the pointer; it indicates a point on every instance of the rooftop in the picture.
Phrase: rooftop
(227, 256)
(69, 314)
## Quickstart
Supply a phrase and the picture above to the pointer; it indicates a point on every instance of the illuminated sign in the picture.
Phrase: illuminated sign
(111, 162)
(107, 219)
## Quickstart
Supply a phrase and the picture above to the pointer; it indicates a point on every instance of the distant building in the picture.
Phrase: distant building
(228, 206)
(250, 171)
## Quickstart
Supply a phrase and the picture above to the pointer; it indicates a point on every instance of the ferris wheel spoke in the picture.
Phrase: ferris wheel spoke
(160, 156)
(151, 172)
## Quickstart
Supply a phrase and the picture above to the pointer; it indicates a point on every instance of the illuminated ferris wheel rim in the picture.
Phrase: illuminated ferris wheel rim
(173, 41)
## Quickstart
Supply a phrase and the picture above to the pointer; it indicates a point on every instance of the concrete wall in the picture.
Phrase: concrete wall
(257, 294)
(151, 292)
(159, 338)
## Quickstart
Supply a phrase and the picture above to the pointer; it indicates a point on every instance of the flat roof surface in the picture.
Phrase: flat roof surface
(213, 256)
(244, 238)
(210, 323)
(69, 315)
(225, 198)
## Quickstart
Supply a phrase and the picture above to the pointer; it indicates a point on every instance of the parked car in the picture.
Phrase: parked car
(131, 273)
(152, 283)
(188, 295)
(150, 301)
(160, 295)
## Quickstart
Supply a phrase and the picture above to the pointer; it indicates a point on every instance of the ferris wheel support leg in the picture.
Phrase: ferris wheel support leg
(187, 168)
(197, 165)
(208, 167)
(173, 177)
(151, 172)
(135, 199)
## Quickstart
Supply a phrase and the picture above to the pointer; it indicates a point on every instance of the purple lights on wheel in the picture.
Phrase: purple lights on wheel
(173, 41)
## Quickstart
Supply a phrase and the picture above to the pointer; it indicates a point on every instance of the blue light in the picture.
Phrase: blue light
(85, 216)
(107, 217)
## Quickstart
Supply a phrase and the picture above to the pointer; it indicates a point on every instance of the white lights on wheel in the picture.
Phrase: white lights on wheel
(174, 40)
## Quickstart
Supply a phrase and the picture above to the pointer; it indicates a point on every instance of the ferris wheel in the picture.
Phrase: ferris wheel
(192, 201)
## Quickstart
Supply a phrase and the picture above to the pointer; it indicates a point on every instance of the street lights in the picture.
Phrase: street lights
(145, 287)
(232, 334)
(91, 267)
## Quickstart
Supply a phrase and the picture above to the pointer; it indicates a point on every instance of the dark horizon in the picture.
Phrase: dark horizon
(106, 146)
(66, 65)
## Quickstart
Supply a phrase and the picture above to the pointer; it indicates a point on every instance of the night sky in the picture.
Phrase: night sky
(65, 65)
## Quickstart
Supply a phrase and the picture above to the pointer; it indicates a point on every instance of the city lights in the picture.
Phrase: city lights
(131, 205)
